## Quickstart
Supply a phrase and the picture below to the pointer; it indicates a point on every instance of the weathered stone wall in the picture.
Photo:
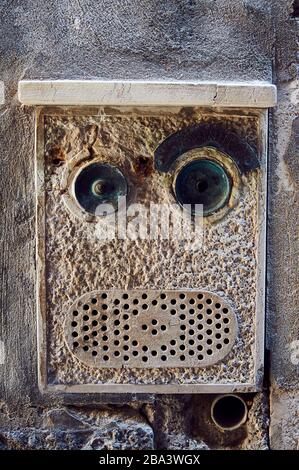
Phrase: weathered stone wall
(145, 39)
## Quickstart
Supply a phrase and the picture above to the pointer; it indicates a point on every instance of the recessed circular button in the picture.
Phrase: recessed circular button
(203, 182)
(98, 184)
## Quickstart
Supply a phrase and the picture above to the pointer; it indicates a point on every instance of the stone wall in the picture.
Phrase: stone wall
(145, 39)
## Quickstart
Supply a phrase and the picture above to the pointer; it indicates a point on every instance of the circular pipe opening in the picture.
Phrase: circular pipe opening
(229, 412)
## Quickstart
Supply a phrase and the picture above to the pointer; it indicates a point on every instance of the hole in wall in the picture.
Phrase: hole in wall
(229, 412)
(296, 9)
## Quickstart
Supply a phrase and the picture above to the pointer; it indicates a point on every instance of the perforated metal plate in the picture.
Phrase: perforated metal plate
(150, 328)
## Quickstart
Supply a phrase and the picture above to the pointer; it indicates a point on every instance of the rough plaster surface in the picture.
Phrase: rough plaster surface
(76, 259)
(61, 428)
(186, 424)
(188, 39)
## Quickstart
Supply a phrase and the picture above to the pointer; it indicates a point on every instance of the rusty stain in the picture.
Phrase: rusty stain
(143, 166)
(57, 155)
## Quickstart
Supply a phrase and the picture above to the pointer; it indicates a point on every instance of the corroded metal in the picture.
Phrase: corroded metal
(206, 135)
(203, 182)
(97, 184)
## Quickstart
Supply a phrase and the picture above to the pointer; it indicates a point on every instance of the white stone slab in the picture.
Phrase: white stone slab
(1, 92)
(141, 93)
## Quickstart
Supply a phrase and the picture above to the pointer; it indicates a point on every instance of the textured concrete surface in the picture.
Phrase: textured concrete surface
(187, 39)
(185, 423)
(73, 428)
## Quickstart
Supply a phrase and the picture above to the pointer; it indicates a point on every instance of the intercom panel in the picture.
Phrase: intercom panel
(127, 302)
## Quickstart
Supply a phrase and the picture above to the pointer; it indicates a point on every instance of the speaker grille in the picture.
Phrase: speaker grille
(150, 328)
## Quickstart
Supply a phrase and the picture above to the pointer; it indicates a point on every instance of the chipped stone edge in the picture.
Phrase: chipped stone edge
(2, 100)
(256, 94)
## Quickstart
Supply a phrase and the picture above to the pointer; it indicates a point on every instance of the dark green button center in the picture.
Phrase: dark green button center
(203, 182)
(97, 184)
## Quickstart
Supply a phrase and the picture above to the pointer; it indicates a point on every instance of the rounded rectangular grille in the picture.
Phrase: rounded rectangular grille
(150, 328)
